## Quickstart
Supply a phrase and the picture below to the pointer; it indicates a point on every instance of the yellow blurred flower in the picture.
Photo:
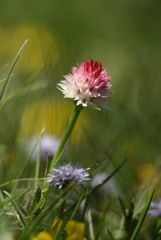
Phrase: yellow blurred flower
(147, 173)
(42, 45)
(75, 230)
(52, 116)
(43, 236)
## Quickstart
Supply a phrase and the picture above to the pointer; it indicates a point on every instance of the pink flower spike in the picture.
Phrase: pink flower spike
(89, 85)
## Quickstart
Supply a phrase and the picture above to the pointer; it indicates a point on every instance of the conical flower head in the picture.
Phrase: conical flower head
(89, 85)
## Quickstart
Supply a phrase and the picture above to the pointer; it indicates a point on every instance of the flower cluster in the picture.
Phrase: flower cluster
(88, 84)
(62, 176)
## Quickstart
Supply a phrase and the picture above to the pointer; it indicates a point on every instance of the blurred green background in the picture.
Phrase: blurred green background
(125, 36)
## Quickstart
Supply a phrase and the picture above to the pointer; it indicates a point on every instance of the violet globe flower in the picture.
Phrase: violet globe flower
(62, 176)
(89, 85)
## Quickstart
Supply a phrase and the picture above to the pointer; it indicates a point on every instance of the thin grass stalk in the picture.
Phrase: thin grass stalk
(20, 93)
(12, 69)
(37, 168)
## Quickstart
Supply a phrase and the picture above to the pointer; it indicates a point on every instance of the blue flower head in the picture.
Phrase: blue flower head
(62, 176)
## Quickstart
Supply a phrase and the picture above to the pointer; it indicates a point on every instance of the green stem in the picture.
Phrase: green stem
(65, 137)
(64, 140)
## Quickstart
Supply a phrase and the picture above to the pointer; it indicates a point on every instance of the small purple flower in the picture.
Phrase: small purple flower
(47, 146)
(155, 209)
(62, 176)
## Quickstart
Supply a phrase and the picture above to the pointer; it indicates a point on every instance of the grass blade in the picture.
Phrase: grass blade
(110, 176)
(142, 217)
(90, 224)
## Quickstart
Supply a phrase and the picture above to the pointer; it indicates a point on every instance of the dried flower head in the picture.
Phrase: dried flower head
(88, 84)
(155, 209)
(62, 176)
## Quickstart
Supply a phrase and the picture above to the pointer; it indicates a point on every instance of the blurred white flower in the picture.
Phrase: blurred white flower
(46, 146)
(155, 209)
(6, 236)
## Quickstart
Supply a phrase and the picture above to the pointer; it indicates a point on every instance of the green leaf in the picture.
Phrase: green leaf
(35, 223)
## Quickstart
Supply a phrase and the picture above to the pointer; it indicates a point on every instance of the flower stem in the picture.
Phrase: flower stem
(67, 133)
(45, 188)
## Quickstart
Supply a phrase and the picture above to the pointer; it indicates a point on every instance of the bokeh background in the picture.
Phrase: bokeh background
(125, 36)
